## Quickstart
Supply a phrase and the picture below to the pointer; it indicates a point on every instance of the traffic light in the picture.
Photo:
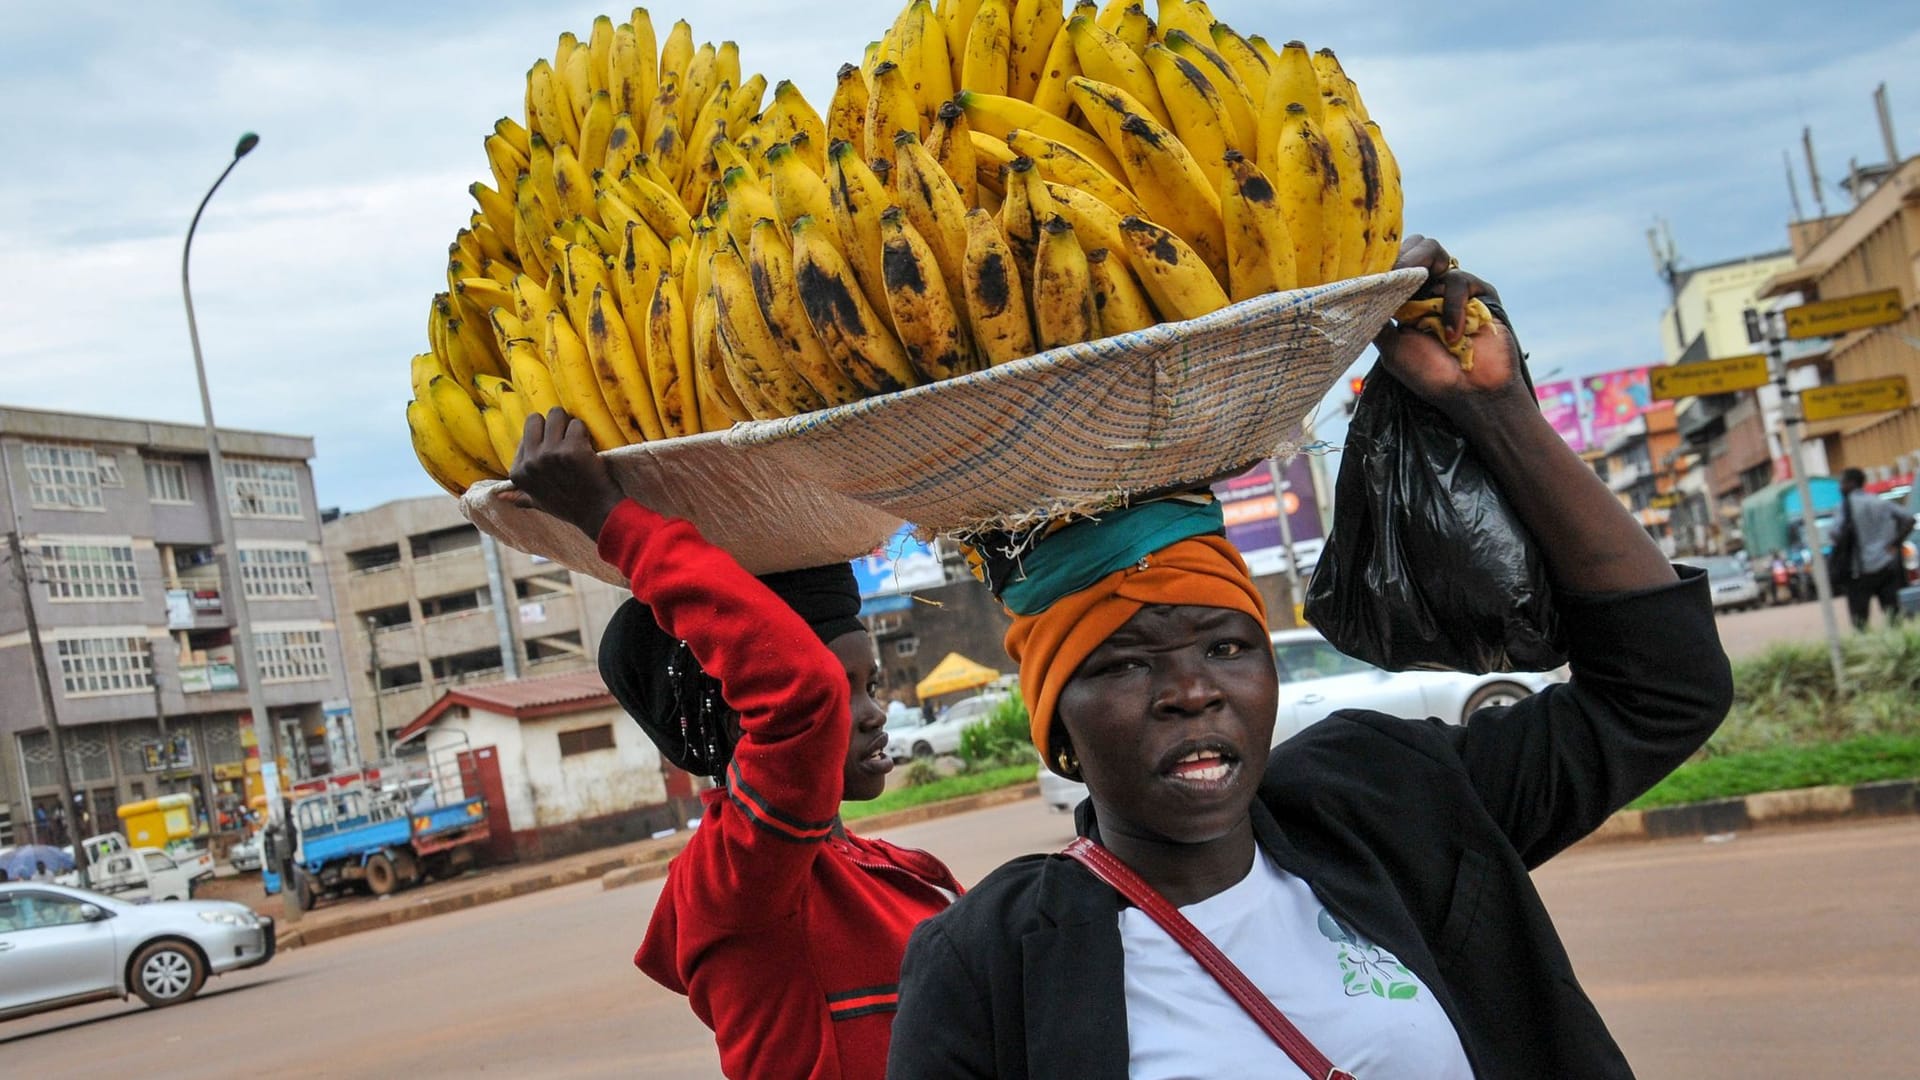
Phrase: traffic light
(1755, 332)
(1357, 384)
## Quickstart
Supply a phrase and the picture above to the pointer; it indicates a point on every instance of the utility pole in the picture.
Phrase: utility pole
(61, 772)
(160, 718)
(373, 676)
(1790, 417)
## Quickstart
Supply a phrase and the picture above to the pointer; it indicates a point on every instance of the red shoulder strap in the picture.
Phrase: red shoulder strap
(1271, 1020)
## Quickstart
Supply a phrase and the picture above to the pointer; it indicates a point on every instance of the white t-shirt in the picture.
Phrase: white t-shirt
(1349, 997)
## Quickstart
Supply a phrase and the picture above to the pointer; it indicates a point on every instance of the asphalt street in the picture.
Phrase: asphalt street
(1788, 953)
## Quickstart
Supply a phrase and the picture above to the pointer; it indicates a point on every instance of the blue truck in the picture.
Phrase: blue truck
(384, 828)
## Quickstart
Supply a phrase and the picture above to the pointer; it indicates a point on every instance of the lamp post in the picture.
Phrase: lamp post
(232, 585)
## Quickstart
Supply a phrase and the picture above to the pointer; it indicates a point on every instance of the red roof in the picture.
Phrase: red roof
(545, 695)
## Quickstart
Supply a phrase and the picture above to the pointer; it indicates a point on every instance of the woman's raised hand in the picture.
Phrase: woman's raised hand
(557, 471)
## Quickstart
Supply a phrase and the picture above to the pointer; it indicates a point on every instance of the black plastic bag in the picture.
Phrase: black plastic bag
(1426, 565)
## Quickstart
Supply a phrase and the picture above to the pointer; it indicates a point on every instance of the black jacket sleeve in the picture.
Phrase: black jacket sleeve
(1650, 684)
(944, 1026)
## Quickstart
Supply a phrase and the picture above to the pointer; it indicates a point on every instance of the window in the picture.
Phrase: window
(104, 665)
(89, 571)
(586, 740)
(167, 481)
(63, 477)
(109, 468)
(263, 489)
(276, 573)
(38, 911)
(290, 655)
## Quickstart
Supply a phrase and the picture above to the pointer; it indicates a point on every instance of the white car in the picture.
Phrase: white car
(61, 946)
(916, 740)
(1317, 679)
(1731, 579)
(245, 855)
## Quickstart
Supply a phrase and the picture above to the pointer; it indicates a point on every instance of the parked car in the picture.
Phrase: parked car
(245, 855)
(942, 735)
(61, 946)
(1732, 581)
(1317, 679)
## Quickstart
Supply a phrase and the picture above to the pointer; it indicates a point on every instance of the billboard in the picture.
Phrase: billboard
(1619, 398)
(1251, 504)
(1560, 404)
(902, 564)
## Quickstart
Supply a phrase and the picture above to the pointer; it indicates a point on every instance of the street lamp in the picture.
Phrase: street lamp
(230, 559)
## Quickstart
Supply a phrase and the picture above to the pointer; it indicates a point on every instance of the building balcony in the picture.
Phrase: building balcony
(461, 632)
(208, 678)
(1624, 477)
(454, 572)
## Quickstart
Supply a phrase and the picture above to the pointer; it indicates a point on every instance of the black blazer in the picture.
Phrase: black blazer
(1418, 834)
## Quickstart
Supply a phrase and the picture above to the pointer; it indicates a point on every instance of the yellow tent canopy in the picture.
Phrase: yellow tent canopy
(954, 674)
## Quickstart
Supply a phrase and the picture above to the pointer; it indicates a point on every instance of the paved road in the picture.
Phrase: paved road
(1787, 954)
(1749, 633)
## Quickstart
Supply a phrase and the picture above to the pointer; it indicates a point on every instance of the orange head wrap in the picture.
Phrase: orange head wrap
(1049, 646)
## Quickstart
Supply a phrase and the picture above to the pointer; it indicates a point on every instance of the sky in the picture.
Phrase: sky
(1537, 141)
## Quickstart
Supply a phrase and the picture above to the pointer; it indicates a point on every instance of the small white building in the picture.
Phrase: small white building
(561, 765)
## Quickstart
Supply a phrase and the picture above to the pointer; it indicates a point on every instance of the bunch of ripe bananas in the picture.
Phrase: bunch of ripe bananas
(662, 255)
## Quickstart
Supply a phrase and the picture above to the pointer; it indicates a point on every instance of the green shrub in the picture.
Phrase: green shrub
(922, 773)
(1001, 739)
(1785, 696)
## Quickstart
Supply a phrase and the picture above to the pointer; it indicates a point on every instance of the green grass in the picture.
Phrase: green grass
(952, 787)
(1857, 760)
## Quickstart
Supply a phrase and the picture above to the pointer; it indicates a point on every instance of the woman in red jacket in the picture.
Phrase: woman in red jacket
(784, 930)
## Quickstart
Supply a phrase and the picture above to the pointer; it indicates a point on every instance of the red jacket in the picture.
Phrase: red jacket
(784, 931)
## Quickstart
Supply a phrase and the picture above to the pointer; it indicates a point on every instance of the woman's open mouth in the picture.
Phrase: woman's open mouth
(876, 761)
(1203, 766)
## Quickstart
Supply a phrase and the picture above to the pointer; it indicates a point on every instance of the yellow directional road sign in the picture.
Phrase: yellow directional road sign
(1708, 377)
(1854, 398)
(1827, 317)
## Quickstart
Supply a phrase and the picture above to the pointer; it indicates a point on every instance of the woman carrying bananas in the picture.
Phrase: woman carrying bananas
(784, 930)
(1368, 878)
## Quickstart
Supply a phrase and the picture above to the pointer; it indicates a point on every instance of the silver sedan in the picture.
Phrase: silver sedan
(61, 946)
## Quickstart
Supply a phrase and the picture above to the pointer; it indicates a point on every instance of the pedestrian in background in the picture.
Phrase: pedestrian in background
(1870, 536)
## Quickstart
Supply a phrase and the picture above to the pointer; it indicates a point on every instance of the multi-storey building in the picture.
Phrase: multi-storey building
(121, 542)
(427, 603)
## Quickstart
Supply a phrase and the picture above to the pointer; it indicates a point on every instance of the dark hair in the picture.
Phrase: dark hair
(1853, 478)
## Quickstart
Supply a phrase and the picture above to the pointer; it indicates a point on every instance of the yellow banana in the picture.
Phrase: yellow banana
(531, 226)
(1200, 117)
(507, 328)
(514, 133)
(1248, 65)
(793, 115)
(449, 466)
(1233, 94)
(1348, 211)
(1181, 285)
(924, 61)
(635, 272)
(599, 49)
(1062, 164)
(584, 271)
(572, 184)
(484, 293)
(1063, 309)
(747, 105)
(1060, 64)
(755, 362)
(1035, 24)
(930, 326)
(540, 167)
(1383, 237)
(425, 366)
(951, 145)
(1117, 298)
(495, 207)
(502, 437)
(551, 116)
(797, 190)
(796, 347)
(995, 295)
(847, 112)
(670, 358)
(703, 77)
(986, 63)
(1132, 26)
(855, 336)
(990, 160)
(633, 70)
(462, 420)
(727, 64)
(514, 408)
(595, 131)
(998, 117)
(1027, 208)
(857, 197)
(1093, 221)
(934, 207)
(1105, 58)
(676, 53)
(1293, 80)
(574, 73)
(616, 363)
(531, 378)
(1334, 82)
(1303, 174)
(659, 207)
(891, 109)
(575, 382)
(1159, 169)
(719, 405)
(488, 388)
(1259, 251)
(1190, 16)
(505, 162)
(748, 201)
